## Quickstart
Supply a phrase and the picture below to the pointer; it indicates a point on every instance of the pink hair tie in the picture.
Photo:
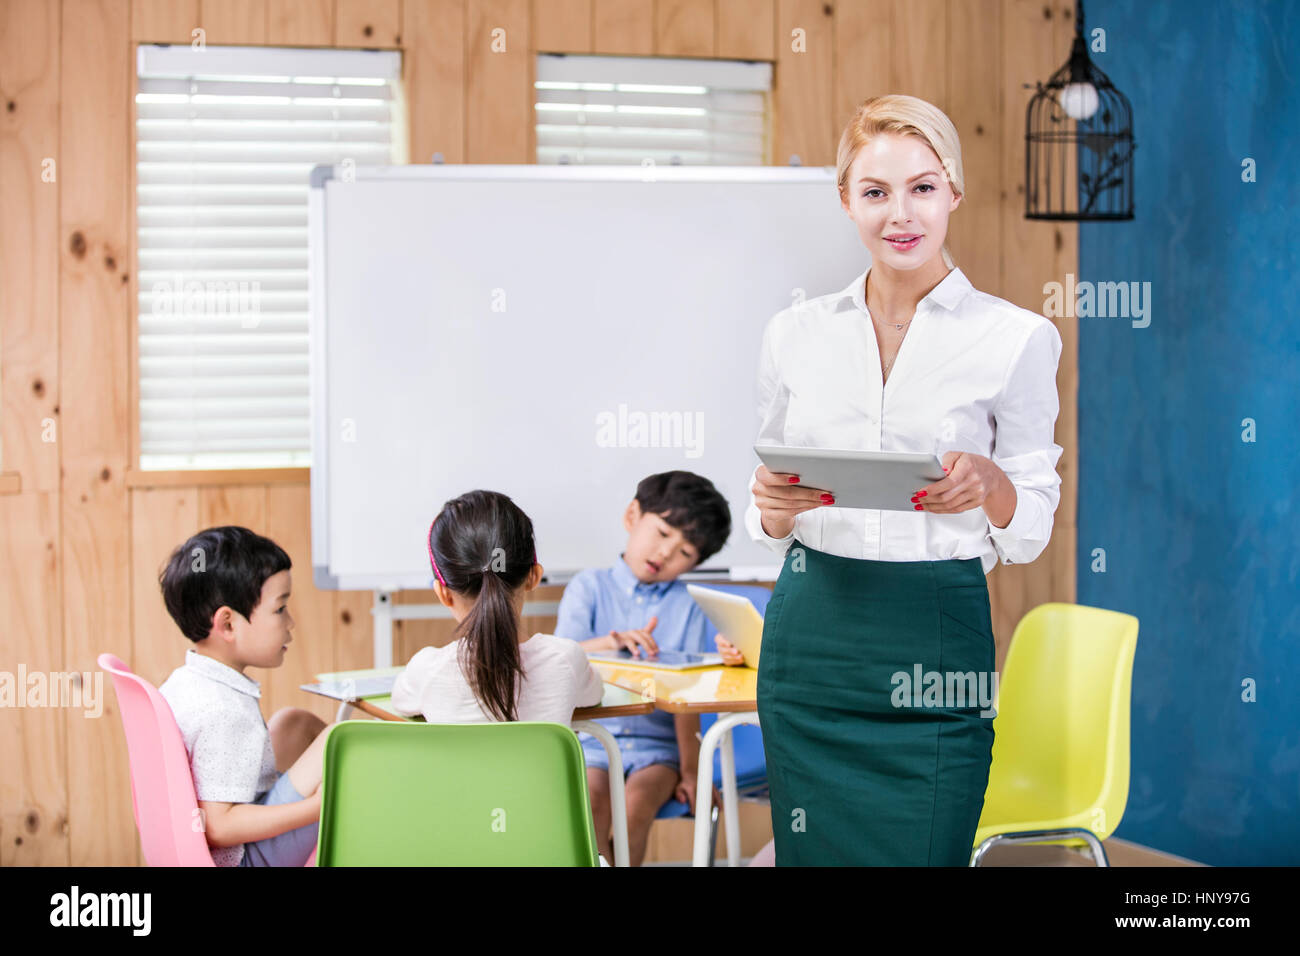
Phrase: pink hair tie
(429, 541)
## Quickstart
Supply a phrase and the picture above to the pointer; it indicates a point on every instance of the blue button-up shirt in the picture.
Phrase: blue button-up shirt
(598, 601)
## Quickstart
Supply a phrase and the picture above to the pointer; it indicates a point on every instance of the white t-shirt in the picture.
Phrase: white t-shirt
(231, 758)
(557, 679)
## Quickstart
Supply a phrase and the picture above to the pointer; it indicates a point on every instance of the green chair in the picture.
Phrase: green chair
(414, 794)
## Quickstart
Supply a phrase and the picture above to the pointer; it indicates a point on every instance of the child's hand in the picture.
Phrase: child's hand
(685, 792)
(730, 653)
(636, 641)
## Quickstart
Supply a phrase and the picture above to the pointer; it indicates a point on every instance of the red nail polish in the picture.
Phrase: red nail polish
(793, 479)
(945, 471)
(919, 508)
(828, 498)
(922, 494)
(915, 499)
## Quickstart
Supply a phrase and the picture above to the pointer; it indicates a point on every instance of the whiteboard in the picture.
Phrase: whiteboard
(553, 333)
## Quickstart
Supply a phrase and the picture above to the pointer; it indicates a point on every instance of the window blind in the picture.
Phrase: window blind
(226, 138)
(627, 110)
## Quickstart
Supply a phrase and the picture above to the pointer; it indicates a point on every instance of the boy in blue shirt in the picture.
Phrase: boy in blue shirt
(677, 521)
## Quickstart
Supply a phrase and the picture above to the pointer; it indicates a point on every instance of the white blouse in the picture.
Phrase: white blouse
(974, 373)
(557, 680)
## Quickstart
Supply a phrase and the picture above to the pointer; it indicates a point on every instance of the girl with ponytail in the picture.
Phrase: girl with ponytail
(484, 558)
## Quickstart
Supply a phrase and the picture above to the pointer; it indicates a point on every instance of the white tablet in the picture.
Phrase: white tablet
(735, 617)
(884, 480)
(664, 660)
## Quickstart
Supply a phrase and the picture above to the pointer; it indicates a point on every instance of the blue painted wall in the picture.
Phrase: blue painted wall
(1200, 529)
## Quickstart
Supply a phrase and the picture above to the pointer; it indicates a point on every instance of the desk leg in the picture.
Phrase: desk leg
(344, 711)
(719, 732)
(617, 796)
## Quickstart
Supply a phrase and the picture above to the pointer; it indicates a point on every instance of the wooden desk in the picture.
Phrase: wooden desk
(731, 692)
(704, 690)
(617, 702)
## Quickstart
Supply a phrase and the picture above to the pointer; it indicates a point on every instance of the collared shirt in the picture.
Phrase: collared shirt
(231, 759)
(598, 601)
(974, 373)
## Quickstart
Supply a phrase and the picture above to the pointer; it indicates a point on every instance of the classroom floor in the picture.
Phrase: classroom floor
(670, 845)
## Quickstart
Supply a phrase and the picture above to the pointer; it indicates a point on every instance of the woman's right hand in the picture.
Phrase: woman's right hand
(780, 500)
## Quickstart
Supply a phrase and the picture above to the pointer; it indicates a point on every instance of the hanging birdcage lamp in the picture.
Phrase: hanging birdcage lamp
(1079, 143)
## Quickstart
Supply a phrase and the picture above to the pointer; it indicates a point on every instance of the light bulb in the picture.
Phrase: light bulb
(1079, 100)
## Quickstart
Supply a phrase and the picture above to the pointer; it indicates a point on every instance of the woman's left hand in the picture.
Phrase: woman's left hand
(973, 481)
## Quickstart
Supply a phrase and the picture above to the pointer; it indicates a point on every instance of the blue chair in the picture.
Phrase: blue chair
(751, 763)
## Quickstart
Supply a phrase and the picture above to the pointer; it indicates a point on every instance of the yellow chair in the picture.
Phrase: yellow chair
(1061, 735)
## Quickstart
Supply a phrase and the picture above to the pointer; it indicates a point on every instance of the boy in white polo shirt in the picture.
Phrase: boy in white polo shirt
(258, 786)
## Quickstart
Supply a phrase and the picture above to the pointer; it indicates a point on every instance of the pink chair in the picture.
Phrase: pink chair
(162, 789)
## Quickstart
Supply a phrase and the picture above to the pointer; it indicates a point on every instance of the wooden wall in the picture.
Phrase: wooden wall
(82, 535)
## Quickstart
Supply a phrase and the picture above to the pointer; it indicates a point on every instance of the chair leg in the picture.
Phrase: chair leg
(713, 737)
(713, 834)
(1096, 850)
(617, 793)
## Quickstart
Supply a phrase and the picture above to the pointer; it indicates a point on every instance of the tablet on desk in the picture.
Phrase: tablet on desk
(883, 480)
(664, 660)
(353, 688)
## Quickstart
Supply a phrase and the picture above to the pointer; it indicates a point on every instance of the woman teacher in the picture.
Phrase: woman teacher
(910, 357)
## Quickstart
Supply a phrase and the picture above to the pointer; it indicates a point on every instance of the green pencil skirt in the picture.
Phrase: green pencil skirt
(877, 730)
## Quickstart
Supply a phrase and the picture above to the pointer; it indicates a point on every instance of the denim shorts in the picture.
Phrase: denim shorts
(637, 753)
(291, 848)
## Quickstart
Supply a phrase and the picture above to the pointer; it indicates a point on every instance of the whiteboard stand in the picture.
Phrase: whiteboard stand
(385, 612)
(383, 629)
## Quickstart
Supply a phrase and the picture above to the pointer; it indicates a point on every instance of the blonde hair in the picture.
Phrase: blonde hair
(908, 116)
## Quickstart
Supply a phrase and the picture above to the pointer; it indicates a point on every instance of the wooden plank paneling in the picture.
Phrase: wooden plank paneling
(863, 57)
(239, 505)
(312, 651)
(919, 36)
(804, 54)
(410, 636)
(94, 322)
(1066, 246)
(623, 27)
(300, 22)
(163, 21)
(498, 81)
(354, 630)
(161, 520)
(233, 21)
(33, 748)
(1028, 260)
(975, 229)
(746, 29)
(29, 242)
(243, 505)
(433, 64)
(683, 28)
(562, 26)
(368, 23)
